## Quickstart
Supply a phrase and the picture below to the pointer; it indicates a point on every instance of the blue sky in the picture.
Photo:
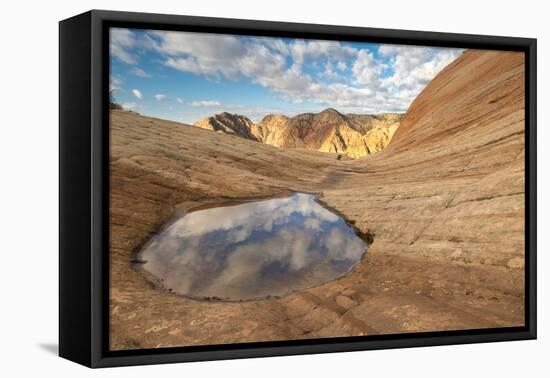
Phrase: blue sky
(185, 76)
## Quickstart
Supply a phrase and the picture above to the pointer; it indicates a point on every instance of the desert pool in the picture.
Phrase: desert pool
(251, 250)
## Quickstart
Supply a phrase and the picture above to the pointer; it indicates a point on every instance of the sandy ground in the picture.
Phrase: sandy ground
(445, 203)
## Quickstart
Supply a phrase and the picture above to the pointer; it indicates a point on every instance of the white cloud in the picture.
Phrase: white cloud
(414, 67)
(352, 79)
(179, 100)
(121, 41)
(330, 73)
(203, 54)
(137, 94)
(130, 106)
(115, 83)
(302, 50)
(160, 97)
(261, 60)
(139, 72)
(205, 103)
(366, 69)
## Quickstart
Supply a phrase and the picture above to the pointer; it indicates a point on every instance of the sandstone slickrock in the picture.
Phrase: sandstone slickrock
(452, 179)
(354, 135)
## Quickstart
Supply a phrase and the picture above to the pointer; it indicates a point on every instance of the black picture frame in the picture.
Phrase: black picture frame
(84, 188)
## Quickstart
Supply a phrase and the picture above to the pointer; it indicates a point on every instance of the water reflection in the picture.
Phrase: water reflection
(252, 250)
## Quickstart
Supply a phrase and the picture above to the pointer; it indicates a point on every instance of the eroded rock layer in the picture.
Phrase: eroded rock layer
(354, 135)
(445, 202)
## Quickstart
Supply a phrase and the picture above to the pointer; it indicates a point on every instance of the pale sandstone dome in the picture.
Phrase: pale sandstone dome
(445, 202)
(354, 135)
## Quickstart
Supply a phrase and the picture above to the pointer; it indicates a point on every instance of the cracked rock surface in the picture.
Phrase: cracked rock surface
(444, 201)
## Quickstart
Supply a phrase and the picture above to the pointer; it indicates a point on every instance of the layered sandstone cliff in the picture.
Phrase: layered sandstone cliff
(230, 124)
(444, 201)
(354, 135)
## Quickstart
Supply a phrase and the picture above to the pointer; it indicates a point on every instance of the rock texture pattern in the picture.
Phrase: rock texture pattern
(231, 124)
(354, 135)
(444, 201)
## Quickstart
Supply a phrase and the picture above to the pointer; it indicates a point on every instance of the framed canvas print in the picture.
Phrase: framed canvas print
(233, 188)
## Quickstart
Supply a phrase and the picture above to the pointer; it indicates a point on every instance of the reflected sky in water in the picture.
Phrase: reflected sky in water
(252, 250)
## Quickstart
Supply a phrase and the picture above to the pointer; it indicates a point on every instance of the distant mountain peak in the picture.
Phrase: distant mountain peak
(330, 111)
(331, 115)
(354, 135)
(228, 123)
(274, 116)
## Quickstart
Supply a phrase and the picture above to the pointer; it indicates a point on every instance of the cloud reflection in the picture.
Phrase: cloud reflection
(253, 250)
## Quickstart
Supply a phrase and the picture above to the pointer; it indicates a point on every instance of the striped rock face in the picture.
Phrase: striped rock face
(444, 202)
(352, 135)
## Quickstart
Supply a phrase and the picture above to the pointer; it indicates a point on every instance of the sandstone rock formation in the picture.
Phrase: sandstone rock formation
(354, 135)
(445, 202)
(274, 129)
(230, 124)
